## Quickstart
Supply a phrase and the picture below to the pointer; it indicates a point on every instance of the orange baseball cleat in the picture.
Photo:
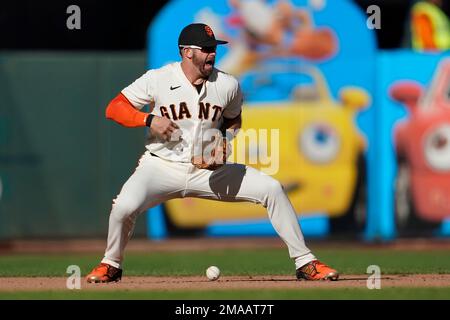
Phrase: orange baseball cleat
(104, 273)
(316, 270)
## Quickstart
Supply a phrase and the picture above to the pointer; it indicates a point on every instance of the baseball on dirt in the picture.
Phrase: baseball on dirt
(213, 273)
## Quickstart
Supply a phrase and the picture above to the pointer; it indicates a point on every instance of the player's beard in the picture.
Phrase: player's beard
(204, 68)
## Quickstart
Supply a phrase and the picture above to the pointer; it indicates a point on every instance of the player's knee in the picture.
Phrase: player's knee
(124, 208)
(273, 187)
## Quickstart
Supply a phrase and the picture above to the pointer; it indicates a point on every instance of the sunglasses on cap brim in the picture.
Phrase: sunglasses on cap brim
(204, 49)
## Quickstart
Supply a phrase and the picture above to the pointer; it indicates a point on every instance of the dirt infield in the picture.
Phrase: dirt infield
(225, 282)
(231, 282)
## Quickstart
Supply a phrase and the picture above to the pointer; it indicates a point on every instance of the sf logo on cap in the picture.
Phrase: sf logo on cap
(209, 31)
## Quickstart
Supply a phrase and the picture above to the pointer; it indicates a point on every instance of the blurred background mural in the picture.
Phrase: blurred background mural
(352, 98)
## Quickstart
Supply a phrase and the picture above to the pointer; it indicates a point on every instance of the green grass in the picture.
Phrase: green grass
(231, 262)
(234, 262)
(278, 294)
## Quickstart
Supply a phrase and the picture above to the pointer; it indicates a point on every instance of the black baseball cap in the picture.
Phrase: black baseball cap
(198, 34)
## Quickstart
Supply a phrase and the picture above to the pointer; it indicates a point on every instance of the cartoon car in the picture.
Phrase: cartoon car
(314, 149)
(422, 143)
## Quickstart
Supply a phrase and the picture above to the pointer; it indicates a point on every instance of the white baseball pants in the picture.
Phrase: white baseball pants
(156, 180)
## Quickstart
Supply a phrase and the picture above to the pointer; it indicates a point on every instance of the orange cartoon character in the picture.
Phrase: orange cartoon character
(275, 31)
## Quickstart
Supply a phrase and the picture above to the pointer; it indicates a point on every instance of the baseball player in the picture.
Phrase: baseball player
(192, 104)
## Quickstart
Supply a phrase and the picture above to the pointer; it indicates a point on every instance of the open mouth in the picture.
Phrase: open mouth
(209, 62)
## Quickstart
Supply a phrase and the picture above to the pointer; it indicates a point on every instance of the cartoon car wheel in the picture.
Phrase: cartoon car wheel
(408, 222)
(354, 219)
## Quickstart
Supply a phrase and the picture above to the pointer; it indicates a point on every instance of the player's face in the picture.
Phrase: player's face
(204, 60)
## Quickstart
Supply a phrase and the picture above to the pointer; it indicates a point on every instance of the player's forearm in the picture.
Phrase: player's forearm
(122, 111)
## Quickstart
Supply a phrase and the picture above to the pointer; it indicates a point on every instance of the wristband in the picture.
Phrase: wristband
(149, 119)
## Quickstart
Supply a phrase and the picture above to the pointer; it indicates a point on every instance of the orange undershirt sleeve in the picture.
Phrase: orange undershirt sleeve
(122, 111)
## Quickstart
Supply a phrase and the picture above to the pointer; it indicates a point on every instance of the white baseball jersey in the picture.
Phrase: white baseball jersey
(170, 94)
(171, 174)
